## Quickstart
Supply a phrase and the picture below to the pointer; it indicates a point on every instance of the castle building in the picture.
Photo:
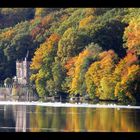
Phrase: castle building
(23, 71)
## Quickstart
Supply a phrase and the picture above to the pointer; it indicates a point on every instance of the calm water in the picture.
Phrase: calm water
(19, 118)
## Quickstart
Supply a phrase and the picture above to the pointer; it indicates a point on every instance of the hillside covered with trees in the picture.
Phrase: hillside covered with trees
(86, 51)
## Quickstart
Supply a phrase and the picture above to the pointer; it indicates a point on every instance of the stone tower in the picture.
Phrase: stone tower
(23, 71)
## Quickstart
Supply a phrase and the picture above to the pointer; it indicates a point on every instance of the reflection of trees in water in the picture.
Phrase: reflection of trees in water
(75, 119)
(56, 119)
(84, 119)
(111, 120)
(102, 120)
(47, 119)
(6, 118)
(89, 121)
(36, 119)
(128, 120)
(99, 120)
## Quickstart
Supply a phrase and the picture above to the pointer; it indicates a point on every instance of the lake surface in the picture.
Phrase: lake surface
(32, 118)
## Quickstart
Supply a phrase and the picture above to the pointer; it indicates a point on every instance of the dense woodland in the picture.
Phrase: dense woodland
(85, 51)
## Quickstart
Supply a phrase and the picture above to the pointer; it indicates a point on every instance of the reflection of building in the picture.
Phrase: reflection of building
(23, 71)
(21, 118)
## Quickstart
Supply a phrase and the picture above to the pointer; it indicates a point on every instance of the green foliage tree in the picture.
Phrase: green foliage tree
(12, 16)
(71, 43)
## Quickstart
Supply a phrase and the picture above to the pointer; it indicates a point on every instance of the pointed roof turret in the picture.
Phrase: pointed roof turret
(27, 55)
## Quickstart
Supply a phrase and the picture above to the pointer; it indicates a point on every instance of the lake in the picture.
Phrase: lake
(36, 118)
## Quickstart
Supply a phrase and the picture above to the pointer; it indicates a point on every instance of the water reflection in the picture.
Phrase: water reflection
(6, 119)
(21, 118)
(72, 119)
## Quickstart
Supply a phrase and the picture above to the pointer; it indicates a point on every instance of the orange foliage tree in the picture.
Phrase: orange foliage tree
(132, 35)
(77, 67)
(44, 49)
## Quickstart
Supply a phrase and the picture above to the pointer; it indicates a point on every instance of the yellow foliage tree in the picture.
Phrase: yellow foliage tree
(87, 20)
(100, 75)
(127, 71)
(76, 82)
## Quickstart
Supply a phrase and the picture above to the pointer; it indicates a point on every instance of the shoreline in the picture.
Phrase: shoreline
(59, 104)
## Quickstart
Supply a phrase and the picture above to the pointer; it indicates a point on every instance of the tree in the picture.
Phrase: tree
(110, 36)
(8, 81)
(44, 11)
(132, 36)
(12, 16)
(71, 44)
(99, 77)
(58, 76)
(85, 21)
(42, 65)
(77, 67)
(124, 89)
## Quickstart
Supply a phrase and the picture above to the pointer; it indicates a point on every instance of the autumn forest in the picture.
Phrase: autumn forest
(85, 51)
